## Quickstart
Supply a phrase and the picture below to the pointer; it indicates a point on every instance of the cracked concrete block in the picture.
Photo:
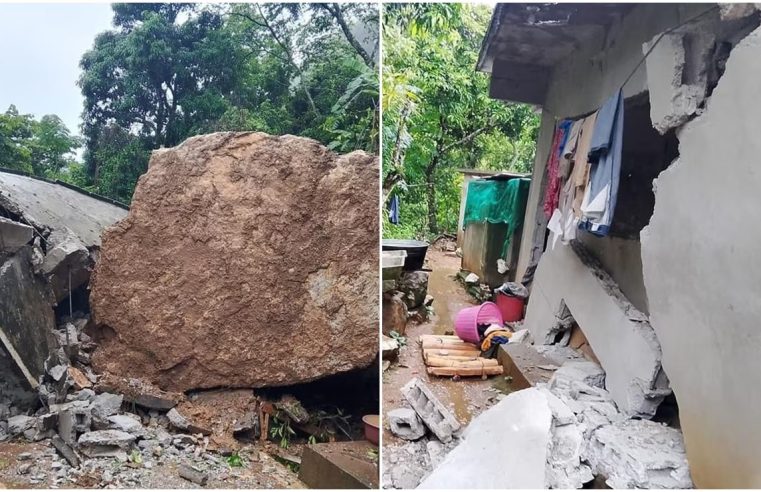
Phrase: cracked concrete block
(581, 370)
(20, 423)
(619, 334)
(432, 412)
(405, 423)
(13, 235)
(104, 405)
(700, 260)
(105, 443)
(639, 454)
(671, 101)
(68, 256)
(504, 447)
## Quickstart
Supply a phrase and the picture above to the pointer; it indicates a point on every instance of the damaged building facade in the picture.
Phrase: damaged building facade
(49, 241)
(666, 299)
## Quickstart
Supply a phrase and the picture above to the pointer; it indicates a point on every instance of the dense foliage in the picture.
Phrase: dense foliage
(44, 147)
(438, 117)
(166, 72)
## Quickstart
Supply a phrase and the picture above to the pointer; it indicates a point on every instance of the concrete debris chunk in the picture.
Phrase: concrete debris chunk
(389, 348)
(105, 443)
(20, 423)
(436, 416)
(639, 454)
(66, 451)
(13, 235)
(405, 423)
(582, 370)
(504, 447)
(472, 279)
(127, 423)
(104, 405)
(233, 202)
(192, 475)
(68, 260)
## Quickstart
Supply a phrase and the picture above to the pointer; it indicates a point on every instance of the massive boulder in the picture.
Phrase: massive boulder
(246, 260)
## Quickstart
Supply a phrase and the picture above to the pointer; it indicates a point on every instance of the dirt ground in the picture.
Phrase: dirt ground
(260, 470)
(467, 397)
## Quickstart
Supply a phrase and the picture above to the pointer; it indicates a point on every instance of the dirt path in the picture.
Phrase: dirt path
(467, 397)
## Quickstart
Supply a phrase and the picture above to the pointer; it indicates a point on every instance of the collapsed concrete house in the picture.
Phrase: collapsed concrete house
(49, 241)
(668, 299)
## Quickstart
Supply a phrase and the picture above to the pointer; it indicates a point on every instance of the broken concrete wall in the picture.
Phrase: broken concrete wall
(700, 254)
(568, 278)
(247, 261)
(26, 315)
(597, 67)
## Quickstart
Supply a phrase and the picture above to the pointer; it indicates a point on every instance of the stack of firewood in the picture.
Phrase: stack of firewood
(447, 355)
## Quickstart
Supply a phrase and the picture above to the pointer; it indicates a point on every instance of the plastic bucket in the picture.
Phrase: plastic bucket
(467, 320)
(511, 307)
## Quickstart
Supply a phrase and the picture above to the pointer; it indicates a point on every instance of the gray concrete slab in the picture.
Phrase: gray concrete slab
(47, 204)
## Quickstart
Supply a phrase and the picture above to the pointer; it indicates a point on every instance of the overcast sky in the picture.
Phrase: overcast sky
(40, 48)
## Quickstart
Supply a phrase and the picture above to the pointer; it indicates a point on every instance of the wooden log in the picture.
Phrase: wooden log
(456, 357)
(454, 338)
(447, 362)
(447, 352)
(449, 345)
(465, 371)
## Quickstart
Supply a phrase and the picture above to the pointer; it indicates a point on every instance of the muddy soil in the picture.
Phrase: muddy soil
(467, 397)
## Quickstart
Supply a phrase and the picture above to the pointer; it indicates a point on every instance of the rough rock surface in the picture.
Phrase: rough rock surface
(246, 260)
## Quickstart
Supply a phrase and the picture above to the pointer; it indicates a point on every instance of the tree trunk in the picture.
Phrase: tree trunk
(430, 172)
(335, 11)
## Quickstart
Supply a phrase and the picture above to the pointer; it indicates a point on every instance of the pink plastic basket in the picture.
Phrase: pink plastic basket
(467, 320)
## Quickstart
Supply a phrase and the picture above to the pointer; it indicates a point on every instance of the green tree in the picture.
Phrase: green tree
(43, 147)
(170, 71)
(438, 115)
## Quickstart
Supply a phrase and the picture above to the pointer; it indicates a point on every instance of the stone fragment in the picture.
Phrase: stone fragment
(104, 405)
(293, 408)
(18, 424)
(233, 202)
(389, 348)
(105, 443)
(472, 279)
(127, 423)
(436, 416)
(57, 372)
(66, 451)
(79, 379)
(193, 475)
(414, 285)
(13, 235)
(394, 313)
(177, 420)
(639, 454)
(68, 259)
(405, 423)
(582, 370)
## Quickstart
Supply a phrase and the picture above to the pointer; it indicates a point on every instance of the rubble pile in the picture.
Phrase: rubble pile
(267, 246)
(561, 435)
